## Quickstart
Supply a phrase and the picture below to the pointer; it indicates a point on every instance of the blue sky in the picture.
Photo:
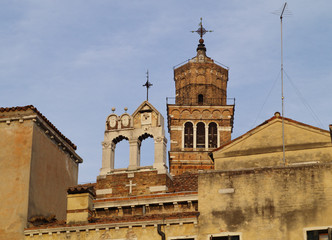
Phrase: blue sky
(75, 60)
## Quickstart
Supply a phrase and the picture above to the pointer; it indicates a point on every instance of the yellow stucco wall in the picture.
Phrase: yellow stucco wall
(263, 147)
(52, 172)
(34, 173)
(266, 203)
(15, 155)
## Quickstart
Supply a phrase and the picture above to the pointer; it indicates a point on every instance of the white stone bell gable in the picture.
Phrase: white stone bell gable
(145, 122)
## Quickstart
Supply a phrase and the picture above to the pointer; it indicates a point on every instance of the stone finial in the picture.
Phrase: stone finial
(113, 109)
(126, 109)
(277, 114)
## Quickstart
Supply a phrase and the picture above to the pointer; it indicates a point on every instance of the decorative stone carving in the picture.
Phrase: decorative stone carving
(125, 121)
(112, 121)
(106, 145)
(146, 118)
(145, 121)
(158, 139)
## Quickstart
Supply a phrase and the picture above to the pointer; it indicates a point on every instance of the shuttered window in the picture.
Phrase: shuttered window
(188, 135)
(200, 137)
(213, 135)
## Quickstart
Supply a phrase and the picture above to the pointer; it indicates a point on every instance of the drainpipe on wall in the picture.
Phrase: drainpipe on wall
(161, 233)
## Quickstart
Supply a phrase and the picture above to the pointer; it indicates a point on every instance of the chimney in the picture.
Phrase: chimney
(80, 203)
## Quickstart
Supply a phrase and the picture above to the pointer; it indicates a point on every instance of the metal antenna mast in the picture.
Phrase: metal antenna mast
(282, 90)
(283, 12)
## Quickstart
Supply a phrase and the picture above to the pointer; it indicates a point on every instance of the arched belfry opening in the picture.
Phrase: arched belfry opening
(145, 122)
(121, 148)
(146, 149)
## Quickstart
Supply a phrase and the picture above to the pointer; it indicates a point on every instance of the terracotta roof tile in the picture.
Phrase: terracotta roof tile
(109, 220)
(25, 108)
(185, 182)
(83, 188)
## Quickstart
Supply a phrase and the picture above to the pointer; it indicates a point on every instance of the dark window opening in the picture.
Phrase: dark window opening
(200, 99)
(188, 135)
(184, 239)
(325, 234)
(200, 135)
(226, 238)
(213, 135)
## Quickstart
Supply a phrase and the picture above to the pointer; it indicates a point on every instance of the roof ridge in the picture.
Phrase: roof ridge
(33, 108)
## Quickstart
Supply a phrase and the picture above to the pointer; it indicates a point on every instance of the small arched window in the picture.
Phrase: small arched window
(213, 135)
(200, 99)
(200, 138)
(188, 135)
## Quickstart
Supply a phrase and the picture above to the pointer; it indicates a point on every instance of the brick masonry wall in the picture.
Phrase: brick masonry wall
(143, 180)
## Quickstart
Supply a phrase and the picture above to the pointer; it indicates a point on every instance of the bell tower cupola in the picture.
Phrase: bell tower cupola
(200, 119)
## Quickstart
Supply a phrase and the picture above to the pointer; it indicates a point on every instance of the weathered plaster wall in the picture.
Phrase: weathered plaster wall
(15, 155)
(52, 172)
(265, 203)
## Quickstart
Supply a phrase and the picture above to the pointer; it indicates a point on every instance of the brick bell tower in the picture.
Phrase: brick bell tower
(201, 119)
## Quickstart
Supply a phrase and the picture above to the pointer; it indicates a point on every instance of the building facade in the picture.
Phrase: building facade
(215, 188)
(37, 165)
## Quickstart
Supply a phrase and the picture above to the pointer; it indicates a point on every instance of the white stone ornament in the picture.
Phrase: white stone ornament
(146, 118)
(125, 120)
(112, 121)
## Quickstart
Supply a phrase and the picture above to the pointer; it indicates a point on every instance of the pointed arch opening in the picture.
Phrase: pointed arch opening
(213, 135)
(121, 152)
(188, 135)
(146, 150)
(200, 136)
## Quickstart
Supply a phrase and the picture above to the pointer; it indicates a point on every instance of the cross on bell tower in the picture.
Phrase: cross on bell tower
(201, 30)
(201, 50)
(147, 85)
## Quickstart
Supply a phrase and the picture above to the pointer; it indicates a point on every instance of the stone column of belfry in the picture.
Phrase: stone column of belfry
(133, 154)
(107, 157)
(160, 145)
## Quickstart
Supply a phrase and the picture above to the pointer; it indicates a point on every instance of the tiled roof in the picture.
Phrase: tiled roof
(83, 188)
(31, 107)
(123, 219)
(185, 182)
(144, 217)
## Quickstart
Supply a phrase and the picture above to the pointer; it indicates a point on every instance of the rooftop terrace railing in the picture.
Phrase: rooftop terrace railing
(197, 102)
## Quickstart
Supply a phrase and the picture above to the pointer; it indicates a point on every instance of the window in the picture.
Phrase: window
(213, 135)
(200, 135)
(200, 99)
(183, 239)
(188, 135)
(324, 234)
(225, 238)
